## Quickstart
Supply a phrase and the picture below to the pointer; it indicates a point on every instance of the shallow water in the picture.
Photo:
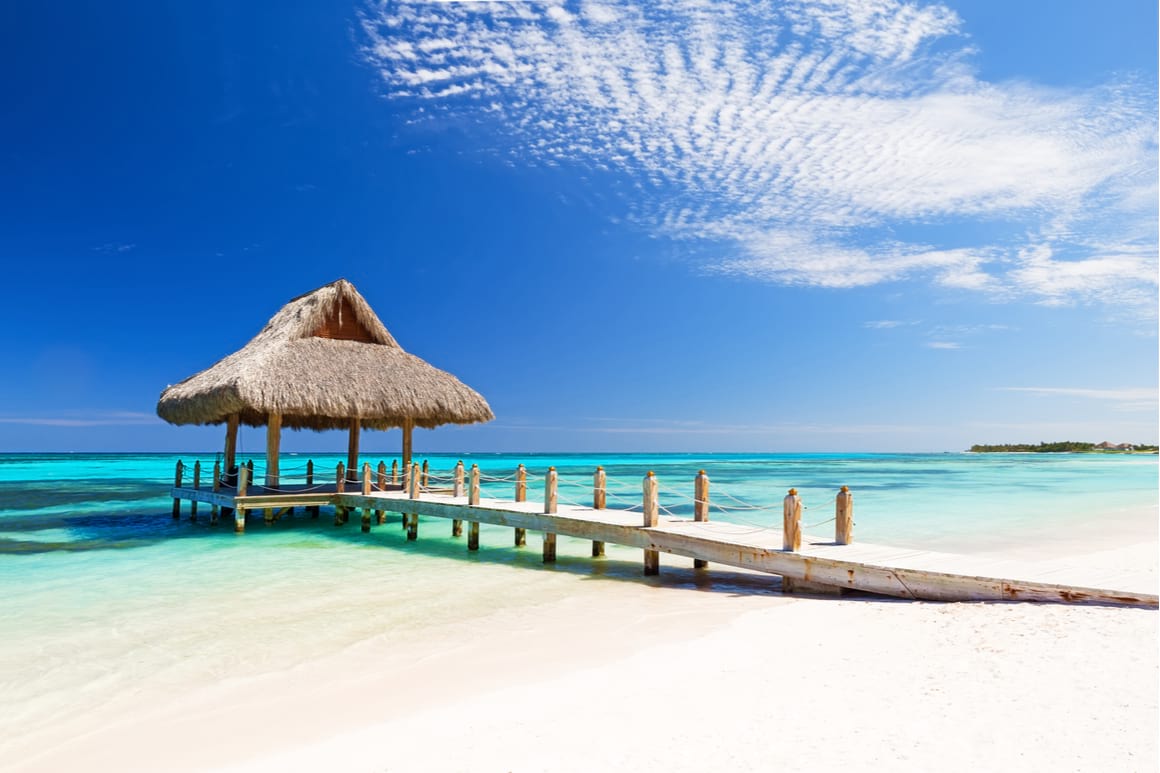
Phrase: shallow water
(104, 599)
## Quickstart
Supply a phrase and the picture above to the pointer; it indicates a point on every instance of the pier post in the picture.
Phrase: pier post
(473, 500)
(791, 533)
(217, 485)
(700, 507)
(844, 517)
(407, 489)
(425, 471)
(366, 492)
(394, 472)
(239, 509)
(312, 509)
(381, 515)
(521, 537)
(196, 487)
(651, 507)
(550, 485)
(413, 518)
(791, 530)
(340, 488)
(177, 475)
(599, 500)
(457, 491)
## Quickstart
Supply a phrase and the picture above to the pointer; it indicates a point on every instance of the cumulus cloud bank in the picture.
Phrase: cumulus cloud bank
(798, 138)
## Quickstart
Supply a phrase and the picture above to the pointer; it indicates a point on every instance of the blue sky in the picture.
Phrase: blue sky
(862, 225)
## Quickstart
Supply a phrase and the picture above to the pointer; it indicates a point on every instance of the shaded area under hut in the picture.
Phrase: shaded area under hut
(324, 361)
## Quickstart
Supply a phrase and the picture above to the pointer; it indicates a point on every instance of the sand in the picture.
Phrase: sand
(645, 675)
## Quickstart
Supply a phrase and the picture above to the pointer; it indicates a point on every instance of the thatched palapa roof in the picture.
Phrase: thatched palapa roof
(322, 360)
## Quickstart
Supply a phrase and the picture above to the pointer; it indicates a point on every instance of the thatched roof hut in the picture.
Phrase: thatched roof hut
(324, 361)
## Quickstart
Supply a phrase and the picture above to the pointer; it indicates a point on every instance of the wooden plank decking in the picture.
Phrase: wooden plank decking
(820, 565)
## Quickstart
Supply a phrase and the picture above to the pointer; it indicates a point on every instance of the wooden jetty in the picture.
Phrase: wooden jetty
(806, 563)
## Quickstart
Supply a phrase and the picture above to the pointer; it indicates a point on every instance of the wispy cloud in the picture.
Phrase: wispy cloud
(1130, 398)
(795, 136)
(85, 419)
(942, 345)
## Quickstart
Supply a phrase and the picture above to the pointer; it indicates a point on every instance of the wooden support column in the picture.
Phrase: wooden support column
(217, 486)
(381, 515)
(196, 487)
(651, 507)
(700, 507)
(273, 445)
(340, 487)
(352, 448)
(551, 482)
(239, 508)
(599, 499)
(844, 517)
(791, 534)
(457, 491)
(366, 490)
(408, 430)
(231, 443)
(406, 488)
(179, 472)
(413, 523)
(424, 479)
(473, 499)
(521, 496)
(312, 509)
(394, 472)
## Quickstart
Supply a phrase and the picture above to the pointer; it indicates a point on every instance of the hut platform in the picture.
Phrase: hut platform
(817, 565)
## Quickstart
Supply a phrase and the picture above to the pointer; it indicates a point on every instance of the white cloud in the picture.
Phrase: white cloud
(1130, 398)
(942, 345)
(791, 136)
(85, 419)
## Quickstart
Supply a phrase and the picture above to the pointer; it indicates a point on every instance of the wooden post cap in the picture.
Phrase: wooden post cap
(844, 489)
(793, 492)
(650, 474)
(700, 472)
(599, 468)
(551, 469)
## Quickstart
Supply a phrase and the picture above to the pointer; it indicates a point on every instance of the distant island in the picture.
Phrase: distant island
(1065, 447)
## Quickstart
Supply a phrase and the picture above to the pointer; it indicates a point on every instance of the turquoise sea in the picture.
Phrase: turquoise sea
(105, 600)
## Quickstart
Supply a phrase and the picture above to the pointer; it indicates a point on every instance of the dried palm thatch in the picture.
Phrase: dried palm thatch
(322, 360)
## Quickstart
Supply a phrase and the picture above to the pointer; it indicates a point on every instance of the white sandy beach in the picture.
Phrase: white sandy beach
(643, 675)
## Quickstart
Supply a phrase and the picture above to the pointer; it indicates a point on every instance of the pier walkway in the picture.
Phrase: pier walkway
(806, 563)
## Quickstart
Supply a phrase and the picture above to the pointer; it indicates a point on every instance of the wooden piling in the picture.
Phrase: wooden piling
(844, 517)
(551, 482)
(700, 507)
(196, 487)
(521, 535)
(473, 499)
(239, 509)
(457, 491)
(394, 472)
(412, 520)
(177, 475)
(217, 485)
(382, 475)
(599, 499)
(340, 487)
(651, 509)
(791, 534)
(366, 520)
(312, 509)
(425, 472)
(366, 479)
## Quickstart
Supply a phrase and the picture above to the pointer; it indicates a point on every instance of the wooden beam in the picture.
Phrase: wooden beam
(196, 486)
(650, 508)
(178, 472)
(352, 448)
(231, 442)
(521, 535)
(408, 431)
(844, 517)
(599, 499)
(551, 482)
(700, 507)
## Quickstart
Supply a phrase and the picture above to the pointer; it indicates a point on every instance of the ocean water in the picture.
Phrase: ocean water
(107, 602)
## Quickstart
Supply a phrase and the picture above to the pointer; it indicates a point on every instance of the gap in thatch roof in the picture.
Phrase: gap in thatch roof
(342, 324)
